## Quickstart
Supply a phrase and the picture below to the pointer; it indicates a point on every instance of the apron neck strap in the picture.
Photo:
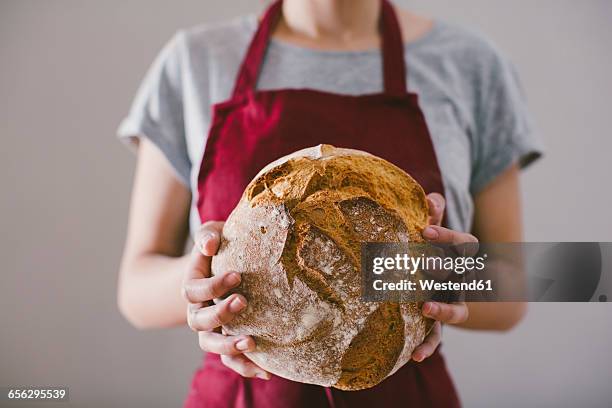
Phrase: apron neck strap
(394, 66)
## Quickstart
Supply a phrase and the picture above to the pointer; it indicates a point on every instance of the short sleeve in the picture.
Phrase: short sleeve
(504, 132)
(157, 110)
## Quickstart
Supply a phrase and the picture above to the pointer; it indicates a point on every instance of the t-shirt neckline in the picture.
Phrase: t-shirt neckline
(283, 45)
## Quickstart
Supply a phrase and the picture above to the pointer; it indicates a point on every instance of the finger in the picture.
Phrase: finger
(436, 233)
(429, 345)
(452, 313)
(436, 203)
(198, 267)
(192, 309)
(229, 345)
(211, 317)
(205, 289)
(206, 244)
(208, 237)
(245, 367)
(458, 243)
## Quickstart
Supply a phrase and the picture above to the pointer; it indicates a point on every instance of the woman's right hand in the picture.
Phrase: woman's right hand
(206, 317)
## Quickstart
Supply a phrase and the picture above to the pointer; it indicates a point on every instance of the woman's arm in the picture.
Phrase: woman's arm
(161, 287)
(153, 264)
(497, 218)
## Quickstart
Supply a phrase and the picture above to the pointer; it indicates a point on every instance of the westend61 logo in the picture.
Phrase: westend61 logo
(533, 272)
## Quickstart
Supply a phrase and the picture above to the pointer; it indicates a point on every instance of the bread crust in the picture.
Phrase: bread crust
(295, 237)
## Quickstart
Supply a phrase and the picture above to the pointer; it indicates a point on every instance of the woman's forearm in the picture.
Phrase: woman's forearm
(150, 280)
(150, 291)
(497, 218)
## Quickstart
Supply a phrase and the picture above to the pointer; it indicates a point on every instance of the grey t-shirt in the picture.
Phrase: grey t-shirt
(470, 95)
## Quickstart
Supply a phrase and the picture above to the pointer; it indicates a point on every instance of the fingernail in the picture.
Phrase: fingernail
(243, 344)
(430, 233)
(204, 238)
(231, 279)
(237, 304)
(431, 309)
(418, 358)
(262, 375)
(207, 236)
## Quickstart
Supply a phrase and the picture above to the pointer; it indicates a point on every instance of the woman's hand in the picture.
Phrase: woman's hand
(204, 317)
(200, 289)
(454, 313)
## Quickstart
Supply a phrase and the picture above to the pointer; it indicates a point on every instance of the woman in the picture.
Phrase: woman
(308, 72)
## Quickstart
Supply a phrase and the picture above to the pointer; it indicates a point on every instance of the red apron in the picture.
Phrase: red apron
(254, 128)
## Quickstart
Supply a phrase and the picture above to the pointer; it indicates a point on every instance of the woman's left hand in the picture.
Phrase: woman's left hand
(450, 313)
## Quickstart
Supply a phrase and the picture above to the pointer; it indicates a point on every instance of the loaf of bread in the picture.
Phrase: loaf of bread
(296, 237)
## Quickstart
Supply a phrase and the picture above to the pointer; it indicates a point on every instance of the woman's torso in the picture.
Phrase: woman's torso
(447, 68)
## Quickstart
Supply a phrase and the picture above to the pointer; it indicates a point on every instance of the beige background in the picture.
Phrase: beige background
(68, 70)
